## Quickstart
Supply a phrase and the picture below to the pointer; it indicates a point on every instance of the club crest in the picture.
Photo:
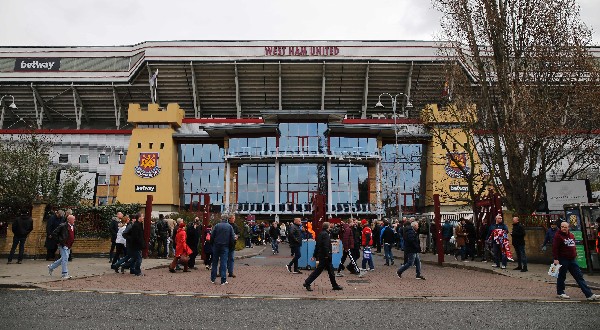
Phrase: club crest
(148, 167)
(454, 162)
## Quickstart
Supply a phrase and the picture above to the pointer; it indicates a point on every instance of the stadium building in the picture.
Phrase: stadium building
(275, 129)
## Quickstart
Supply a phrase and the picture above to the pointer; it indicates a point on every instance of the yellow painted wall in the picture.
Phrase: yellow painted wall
(440, 122)
(159, 140)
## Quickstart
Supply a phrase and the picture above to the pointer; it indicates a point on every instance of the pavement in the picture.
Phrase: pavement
(261, 274)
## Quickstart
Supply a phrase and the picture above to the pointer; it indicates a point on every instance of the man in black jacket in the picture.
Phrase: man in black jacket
(387, 239)
(412, 249)
(323, 255)
(21, 227)
(192, 240)
(114, 228)
(135, 244)
(518, 236)
(377, 236)
(295, 240)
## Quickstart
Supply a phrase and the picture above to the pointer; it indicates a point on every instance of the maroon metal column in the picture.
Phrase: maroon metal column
(438, 227)
(147, 224)
(205, 222)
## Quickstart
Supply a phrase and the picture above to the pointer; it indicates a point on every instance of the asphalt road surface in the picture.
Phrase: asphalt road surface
(42, 309)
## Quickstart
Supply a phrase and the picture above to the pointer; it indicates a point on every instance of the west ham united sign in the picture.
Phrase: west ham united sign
(454, 162)
(148, 167)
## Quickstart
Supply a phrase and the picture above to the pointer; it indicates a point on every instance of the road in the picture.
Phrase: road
(37, 308)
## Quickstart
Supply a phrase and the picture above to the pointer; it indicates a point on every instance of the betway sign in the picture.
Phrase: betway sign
(145, 188)
(37, 64)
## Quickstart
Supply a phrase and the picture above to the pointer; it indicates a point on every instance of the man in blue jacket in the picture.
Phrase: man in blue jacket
(412, 249)
(222, 237)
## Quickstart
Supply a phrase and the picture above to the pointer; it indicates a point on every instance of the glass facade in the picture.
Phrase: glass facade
(254, 186)
(355, 146)
(201, 170)
(401, 179)
(256, 183)
(303, 138)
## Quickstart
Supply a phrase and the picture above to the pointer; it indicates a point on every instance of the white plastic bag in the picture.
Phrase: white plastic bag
(553, 271)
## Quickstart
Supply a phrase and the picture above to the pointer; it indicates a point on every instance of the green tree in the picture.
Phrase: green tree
(527, 66)
(28, 175)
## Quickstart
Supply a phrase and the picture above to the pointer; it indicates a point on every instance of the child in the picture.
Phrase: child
(208, 248)
(367, 257)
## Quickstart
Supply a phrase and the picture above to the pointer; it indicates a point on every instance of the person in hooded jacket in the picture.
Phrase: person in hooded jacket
(347, 246)
(21, 227)
(181, 248)
(193, 231)
(322, 253)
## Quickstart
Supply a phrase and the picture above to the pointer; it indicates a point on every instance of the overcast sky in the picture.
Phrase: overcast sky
(127, 22)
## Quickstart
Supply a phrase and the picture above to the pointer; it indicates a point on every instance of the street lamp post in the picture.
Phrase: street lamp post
(12, 106)
(406, 106)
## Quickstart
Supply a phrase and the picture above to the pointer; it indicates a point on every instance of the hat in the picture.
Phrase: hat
(363, 222)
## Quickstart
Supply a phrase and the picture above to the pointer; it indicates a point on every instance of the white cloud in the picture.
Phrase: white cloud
(125, 22)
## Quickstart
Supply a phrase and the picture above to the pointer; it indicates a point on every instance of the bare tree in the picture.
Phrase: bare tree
(527, 66)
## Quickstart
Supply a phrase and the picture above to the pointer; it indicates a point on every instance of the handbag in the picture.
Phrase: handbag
(183, 259)
(553, 271)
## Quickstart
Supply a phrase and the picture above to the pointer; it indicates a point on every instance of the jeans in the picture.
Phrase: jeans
(521, 256)
(573, 268)
(423, 242)
(387, 251)
(275, 245)
(411, 259)
(120, 251)
(220, 252)
(162, 245)
(230, 256)
(63, 261)
(17, 241)
(323, 264)
(461, 251)
(137, 262)
(113, 245)
(297, 254)
(498, 255)
(369, 261)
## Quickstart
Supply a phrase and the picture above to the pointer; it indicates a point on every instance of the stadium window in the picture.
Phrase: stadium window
(63, 158)
(83, 159)
(103, 159)
(102, 200)
(101, 180)
(122, 158)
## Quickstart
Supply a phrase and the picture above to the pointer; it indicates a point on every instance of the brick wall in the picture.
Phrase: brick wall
(34, 246)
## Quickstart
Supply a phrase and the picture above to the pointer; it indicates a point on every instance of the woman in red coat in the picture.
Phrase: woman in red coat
(181, 248)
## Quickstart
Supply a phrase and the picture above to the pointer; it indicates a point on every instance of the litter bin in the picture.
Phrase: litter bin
(306, 253)
(337, 249)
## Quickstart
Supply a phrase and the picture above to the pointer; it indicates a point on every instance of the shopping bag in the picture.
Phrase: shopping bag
(553, 271)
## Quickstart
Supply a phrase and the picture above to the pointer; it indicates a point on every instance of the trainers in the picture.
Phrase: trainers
(420, 277)
(495, 266)
(503, 267)
(593, 297)
(50, 270)
(66, 277)
(371, 269)
(399, 274)
(337, 288)
(563, 296)
(339, 275)
(224, 283)
(289, 268)
(296, 272)
(212, 281)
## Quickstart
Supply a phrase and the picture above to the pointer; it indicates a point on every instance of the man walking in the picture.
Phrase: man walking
(565, 254)
(412, 248)
(221, 237)
(518, 236)
(236, 233)
(387, 239)
(295, 241)
(135, 244)
(64, 236)
(323, 255)
(21, 227)
(274, 235)
(193, 231)
(347, 246)
(114, 229)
